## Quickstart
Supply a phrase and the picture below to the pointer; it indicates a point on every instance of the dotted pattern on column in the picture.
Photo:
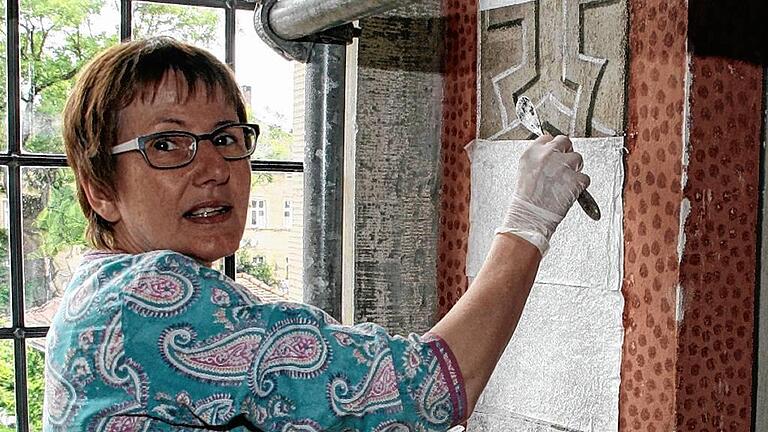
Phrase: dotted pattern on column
(652, 199)
(719, 263)
(459, 128)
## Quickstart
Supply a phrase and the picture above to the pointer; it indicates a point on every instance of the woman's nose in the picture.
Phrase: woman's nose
(210, 167)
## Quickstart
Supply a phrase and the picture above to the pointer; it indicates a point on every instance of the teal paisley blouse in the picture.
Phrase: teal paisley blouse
(156, 342)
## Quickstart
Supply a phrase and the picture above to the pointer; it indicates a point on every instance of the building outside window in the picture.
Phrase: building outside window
(258, 211)
(287, 214)
(42, 227)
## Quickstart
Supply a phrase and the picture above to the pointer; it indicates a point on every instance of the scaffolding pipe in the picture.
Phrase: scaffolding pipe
(295, 19)
(324, 177)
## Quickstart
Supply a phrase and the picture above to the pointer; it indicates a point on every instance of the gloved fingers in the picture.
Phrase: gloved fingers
(582, 180)
(572, 160)
(561, 144)
(544, 139)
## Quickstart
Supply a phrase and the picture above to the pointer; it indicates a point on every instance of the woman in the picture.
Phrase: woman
(149, 337)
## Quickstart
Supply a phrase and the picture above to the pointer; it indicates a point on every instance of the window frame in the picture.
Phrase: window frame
(14, 159)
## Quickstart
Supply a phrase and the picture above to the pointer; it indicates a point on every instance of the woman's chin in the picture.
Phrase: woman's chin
(211, 252)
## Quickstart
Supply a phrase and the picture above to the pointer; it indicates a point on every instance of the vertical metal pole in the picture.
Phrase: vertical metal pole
(14, 204)
(323, 176)
(230, 32)
(126, 12)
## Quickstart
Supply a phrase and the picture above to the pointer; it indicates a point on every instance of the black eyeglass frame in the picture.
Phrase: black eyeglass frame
(140, 143)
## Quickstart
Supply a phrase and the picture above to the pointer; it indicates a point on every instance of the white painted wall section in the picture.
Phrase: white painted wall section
(561, 370)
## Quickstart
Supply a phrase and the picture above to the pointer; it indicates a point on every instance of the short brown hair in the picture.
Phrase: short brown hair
(112, 81)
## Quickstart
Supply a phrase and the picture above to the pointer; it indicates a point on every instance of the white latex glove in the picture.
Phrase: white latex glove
(549, 180)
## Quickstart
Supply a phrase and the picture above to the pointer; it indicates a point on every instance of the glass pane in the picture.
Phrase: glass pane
(54, 239)
(53, 46)
(3, 75)
(269, 262)
(200, 26)
(35, 382)
(7, 387)
(274, 100)
(5, 263)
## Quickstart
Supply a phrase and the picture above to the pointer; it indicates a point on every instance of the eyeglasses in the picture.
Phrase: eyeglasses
(175, 149)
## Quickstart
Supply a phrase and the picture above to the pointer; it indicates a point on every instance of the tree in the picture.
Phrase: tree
(35, 385)
(260, 269)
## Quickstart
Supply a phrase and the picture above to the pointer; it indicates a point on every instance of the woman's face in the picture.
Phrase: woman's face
(163, 209)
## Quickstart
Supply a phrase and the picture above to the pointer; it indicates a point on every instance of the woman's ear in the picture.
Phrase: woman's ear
(102, 202)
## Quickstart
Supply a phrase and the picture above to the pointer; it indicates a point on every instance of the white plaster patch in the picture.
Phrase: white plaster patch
(495, 4)
(679, 303)
(583, 252)
(562, 366)
(685, 211)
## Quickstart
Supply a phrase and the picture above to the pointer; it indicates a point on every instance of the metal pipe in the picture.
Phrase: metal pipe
(294, 19)
(323, 177)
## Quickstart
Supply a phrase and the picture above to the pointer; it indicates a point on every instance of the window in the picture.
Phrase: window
(258, 213)
(287, 214)
(41, 226)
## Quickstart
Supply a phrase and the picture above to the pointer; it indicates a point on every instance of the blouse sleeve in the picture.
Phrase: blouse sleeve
(356, 377)
(208, 350)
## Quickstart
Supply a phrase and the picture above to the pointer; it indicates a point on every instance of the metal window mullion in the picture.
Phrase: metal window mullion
(217, 4)
(126, 13)
(230, 31)
(14, 209)
(17, 296)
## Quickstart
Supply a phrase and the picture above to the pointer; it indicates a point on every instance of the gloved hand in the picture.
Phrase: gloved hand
(549, 180)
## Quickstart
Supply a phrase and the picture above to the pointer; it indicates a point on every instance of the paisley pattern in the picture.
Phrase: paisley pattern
(80, 300)
(143, 342)
(378, 392)
(60, 397)
(225, 359)
(393, 426)
(159, 293)
(434, 398)
(297, 350)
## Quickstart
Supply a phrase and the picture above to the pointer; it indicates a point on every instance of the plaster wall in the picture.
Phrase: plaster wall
(561, 369)
(397, 180)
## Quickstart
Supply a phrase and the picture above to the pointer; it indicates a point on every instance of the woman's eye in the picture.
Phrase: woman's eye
(224, 140)
(164, 145)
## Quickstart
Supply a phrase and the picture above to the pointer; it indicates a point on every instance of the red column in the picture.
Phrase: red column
(459, 128)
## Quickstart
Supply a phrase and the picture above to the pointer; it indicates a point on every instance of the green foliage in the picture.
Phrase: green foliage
(196, 25)
(246, 263)
(35, 385)
(61, 222)
(279, 143)
(274, 144)
(56, 39)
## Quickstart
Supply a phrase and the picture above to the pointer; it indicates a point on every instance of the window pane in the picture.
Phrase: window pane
(269, 261)
(7, 387)
(35, 382)
(5, 263)
(53, 46)
(53, 239)
(200, 26)
(274, 100)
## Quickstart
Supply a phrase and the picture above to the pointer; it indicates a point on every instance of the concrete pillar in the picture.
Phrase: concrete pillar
(397, 150)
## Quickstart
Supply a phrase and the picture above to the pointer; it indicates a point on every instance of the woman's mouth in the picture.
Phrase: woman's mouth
(209, 214)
